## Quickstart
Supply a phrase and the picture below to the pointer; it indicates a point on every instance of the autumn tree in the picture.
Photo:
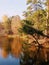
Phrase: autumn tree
(15, 24)
(36, 13)
(34, 23)
(30, 41)
(7, 24)
(47, 23)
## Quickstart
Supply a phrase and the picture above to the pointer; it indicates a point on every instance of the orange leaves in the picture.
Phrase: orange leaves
(16, 46)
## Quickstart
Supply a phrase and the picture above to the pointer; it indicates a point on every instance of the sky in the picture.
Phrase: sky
(12, 7)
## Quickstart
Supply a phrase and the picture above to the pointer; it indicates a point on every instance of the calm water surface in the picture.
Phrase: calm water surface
(9, 60)
(10, 49)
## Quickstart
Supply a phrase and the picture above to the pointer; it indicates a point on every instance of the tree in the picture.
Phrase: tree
(47, 23)
(27, 29)
(36, 13)
(7, 24)
(34, 5)
(15, 24)
(38, 18)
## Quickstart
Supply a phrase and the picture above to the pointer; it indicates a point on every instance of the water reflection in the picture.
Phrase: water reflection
(9, 60)
(10, 50)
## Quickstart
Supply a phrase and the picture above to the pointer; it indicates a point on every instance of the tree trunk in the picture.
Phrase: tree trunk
(47, 17)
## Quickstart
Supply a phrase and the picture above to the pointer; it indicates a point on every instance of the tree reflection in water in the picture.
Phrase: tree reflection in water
(14, 47)
(10, 46)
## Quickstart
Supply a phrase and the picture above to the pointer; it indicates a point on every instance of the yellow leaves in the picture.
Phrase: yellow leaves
(4, 18)
(15, 24)
(29, 1)
(34, 1)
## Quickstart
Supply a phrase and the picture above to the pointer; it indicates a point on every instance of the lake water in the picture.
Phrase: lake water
(9, 61)
(10, 51)
(8, 57)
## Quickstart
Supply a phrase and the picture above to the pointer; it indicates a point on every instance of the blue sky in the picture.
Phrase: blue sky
(12, 7)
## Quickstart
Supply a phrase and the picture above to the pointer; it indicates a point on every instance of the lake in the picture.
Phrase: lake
(11, 48)
(9, 60)
(9, 51)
